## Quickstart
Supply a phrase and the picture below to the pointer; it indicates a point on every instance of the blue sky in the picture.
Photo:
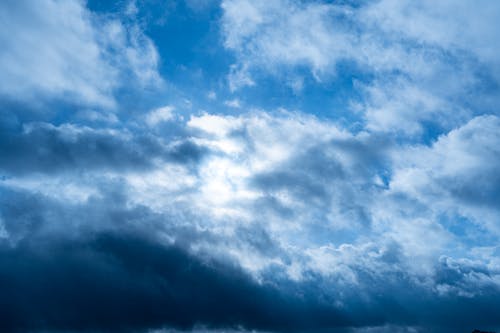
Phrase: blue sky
(249, 166)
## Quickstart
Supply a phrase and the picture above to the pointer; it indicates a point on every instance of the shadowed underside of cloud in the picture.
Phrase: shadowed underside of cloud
(119, 273)
(49, 149)
(331, 243)
(127, 205)
(124, 282)
(112, 267)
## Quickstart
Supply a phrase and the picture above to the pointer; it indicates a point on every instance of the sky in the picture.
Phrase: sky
(238, 166)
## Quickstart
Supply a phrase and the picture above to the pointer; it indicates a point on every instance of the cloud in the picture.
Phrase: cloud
(281, 33)
(404, 108)
(287, 223)
(68, 148)
(134, 217)
(319, 35)
(212, 95)
(458, 173)
(432, 24)
(233, 103)
(239, 77)
(61, 50)
(415, 64)
(122, 267)
(159, 115)
(116, 273)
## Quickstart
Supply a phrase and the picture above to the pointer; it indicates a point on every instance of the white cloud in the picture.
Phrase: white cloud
(239, 77)
(362, 213)
(3, 232)
(459, 173)
(306, 197)
(427, 60)
(233, 103)
(162, 114)
(59, 49)
(448, 24)
(131, 8)
(97, 116)
(379, 34)
(401, 106)
(316, 192)
(214, 124)
(142, 57)
(270, 34)
(212, 95)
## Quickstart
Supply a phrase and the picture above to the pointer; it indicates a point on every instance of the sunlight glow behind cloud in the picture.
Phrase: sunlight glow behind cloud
(249, 166)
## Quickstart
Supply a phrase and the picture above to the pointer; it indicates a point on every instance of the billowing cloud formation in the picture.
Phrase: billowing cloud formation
(323, 216)
(459, 173)
(133, 212)
(126, 281)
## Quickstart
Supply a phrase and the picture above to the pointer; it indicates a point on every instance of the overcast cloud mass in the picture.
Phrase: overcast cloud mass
(249, 166)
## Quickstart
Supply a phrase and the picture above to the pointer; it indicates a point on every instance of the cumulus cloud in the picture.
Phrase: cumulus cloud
(264, 219)
(281, 205)
(458, 173)
(121, 282)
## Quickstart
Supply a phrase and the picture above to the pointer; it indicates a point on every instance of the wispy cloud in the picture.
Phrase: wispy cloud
(63, 51)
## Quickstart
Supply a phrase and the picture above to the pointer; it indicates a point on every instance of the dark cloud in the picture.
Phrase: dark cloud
(45, 148)
(309, 173)
(102, 265)
(481, 189)
(304, 176)
(109, 269)
(125, 282)
(335, 174)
